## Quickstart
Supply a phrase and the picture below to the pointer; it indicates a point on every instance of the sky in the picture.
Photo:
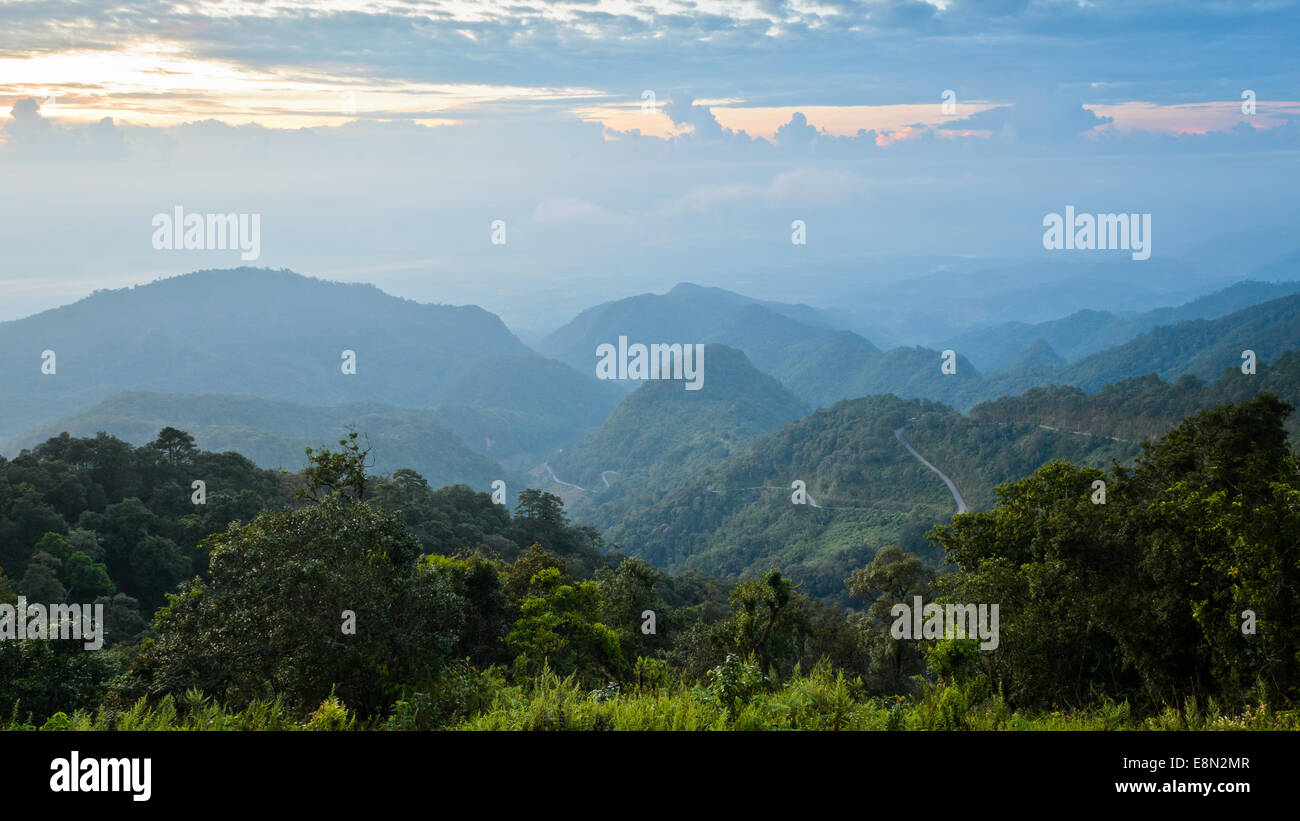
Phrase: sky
(628, 146)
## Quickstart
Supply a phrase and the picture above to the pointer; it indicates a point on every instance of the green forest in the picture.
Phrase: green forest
(336, 598)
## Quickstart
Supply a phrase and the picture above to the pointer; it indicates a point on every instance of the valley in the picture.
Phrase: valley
(886, 444)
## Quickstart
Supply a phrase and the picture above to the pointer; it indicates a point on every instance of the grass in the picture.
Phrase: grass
(820, 700)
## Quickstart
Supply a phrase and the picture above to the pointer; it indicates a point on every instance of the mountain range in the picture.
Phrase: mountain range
(250, 360)
(279, 335)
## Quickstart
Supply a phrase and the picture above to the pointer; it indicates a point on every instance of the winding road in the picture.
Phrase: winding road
(1085, 433)
(956, 494)
(952, 487)
(558, 480)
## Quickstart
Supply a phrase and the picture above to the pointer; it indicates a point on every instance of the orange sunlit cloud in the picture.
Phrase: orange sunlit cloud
(1192, 118)
(159, 85)
(845, 121)
(763, 121)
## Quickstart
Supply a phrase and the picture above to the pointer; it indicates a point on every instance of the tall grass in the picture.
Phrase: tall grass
(819, 700)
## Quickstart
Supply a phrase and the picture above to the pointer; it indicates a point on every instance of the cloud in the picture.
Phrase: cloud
(794, 127)
(30, 134)
(27, 127)
(1043, 117)
(838, 51)
(574, 210)
(797, 131)
(682, 110)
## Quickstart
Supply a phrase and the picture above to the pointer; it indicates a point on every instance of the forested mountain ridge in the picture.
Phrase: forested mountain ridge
(279, 335)
(1090, 331)
(736, 516)
(1144, 407)
(1201, 347)
(661, 430)
(822, 364)
(864, 490)
(274, 434)
(686, 313)
(552, 636)
(778, 339)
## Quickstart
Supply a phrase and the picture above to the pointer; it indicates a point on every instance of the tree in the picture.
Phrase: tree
(1056, 566)
(341, 474)
(29, 518)
(1144, 595)
(540, 513)
(520, 574)
(7, 594)
(176, 446)
(86, 578)
(893, 577)
(560, 626)
(271, 620)
(1217, 505)
(488, 610)
(41, 678)
(628, 592)
(41, 581)
(757, 609)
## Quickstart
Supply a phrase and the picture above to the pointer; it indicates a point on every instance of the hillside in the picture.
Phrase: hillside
(1144, 407)
(866, 490)
(1202, 347)
(661, 431)
(274, 434)
(280, 335)
(1037, 354)
(737, 518)
(777, 338)
(1089, 331)
(822, 365)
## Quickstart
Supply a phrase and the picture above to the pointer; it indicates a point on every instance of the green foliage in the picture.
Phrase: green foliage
(560, 627)
(821, 701)
(341, 473)
(268, 622)
(487, 610)
(758, 610)
(628, 591)
(331, 716)
(893, 577)
(954, 659)
(459, 693)
(450, 520)
(734, 683)
(1142, 408)
(737, 520)
(663, 432)
(104, 517)
(1142, 596)
(1118, 615)
(825, 700)
(39, 678)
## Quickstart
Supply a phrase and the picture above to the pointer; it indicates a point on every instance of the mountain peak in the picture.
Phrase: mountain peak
(280, 335)
(1037, 354)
